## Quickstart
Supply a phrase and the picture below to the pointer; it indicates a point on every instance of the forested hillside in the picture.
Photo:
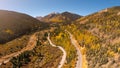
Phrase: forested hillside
(14, 24)
(97, 35)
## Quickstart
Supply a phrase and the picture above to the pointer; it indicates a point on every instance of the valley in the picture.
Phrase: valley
(60, 40)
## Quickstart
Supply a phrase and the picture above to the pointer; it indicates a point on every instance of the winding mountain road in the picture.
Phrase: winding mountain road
(62, 49)
(77, 46)
(31, 44)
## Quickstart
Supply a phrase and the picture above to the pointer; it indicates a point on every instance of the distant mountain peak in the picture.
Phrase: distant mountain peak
(56, 17)
(54, 13)
(66, 12)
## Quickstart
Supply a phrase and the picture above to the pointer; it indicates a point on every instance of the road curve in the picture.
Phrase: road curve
(62, 49)
(77, 46)
(31, 44)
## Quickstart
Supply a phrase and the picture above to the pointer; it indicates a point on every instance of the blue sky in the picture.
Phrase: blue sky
(44, 7)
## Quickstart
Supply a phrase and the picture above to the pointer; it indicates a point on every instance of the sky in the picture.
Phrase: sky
(44, 7)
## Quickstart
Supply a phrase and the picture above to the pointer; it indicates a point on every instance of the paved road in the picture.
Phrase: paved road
(62, 49)
(77, 46)
(31, 44)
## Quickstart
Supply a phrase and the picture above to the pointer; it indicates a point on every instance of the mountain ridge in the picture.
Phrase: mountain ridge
(55, 17)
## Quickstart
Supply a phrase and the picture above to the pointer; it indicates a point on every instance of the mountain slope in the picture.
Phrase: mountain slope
(65, 17)
(14, 24)
(105, 27)
(105, 22)
(97, 37)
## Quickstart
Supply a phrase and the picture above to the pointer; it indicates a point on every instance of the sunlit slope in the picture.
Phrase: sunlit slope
(104, 24)
(100, 34)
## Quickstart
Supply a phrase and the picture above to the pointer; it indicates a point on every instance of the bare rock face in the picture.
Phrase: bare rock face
(118, 13)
